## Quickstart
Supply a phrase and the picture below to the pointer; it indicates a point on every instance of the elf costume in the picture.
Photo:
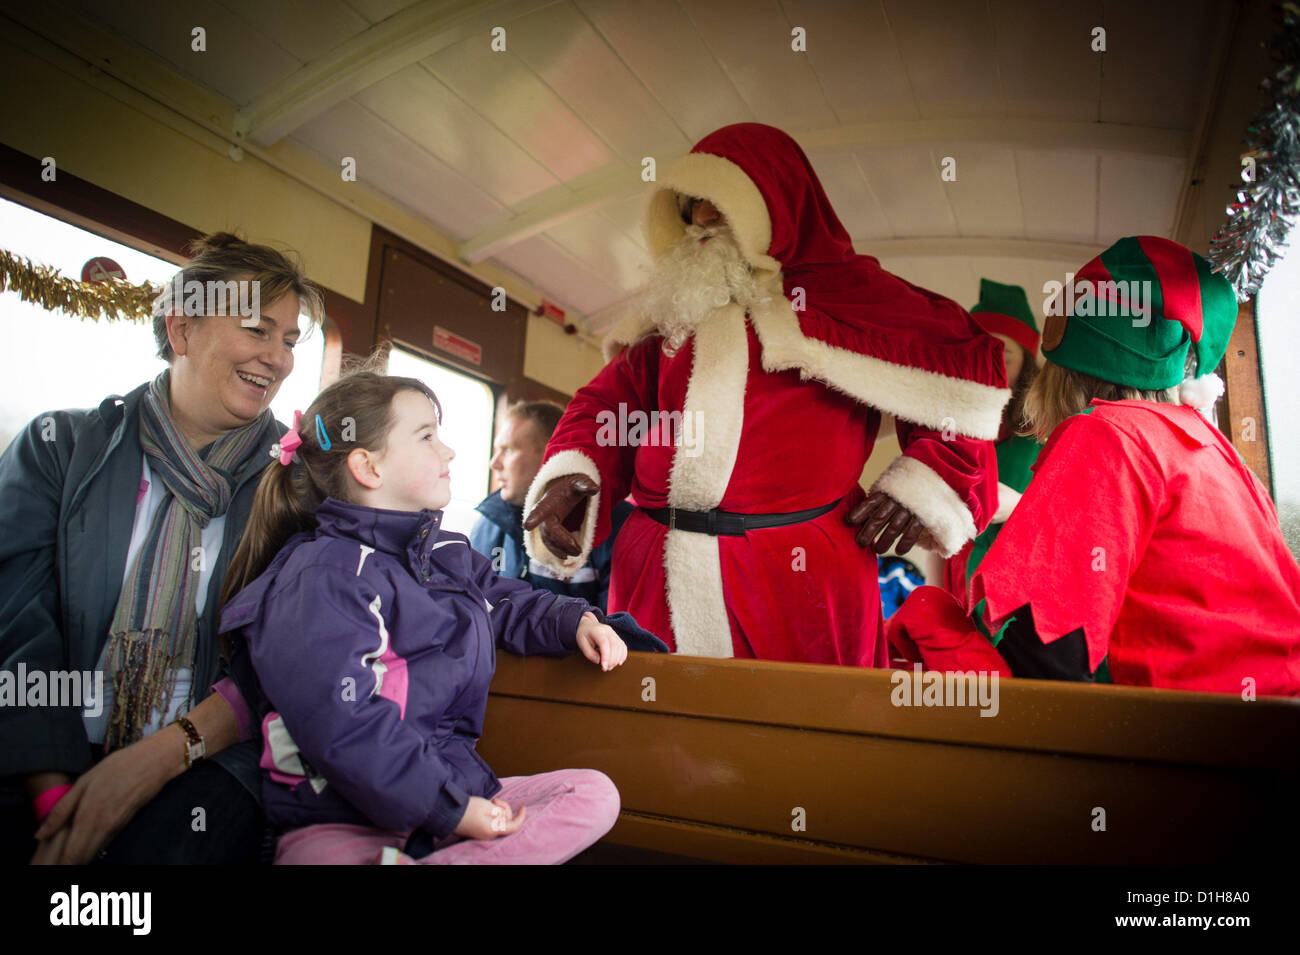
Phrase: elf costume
(1143, 546)
(788, 399)
(1001, 310)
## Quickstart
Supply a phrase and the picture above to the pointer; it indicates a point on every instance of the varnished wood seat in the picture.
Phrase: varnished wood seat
(718, 764)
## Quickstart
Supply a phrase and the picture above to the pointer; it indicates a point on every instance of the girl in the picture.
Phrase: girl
(371, 634)
(1144, 552)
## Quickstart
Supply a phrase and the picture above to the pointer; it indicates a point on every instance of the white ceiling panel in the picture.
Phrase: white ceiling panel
(512, 97)
(307, 29)
(752, 41)
(560, 276)
(948, 51)
(238, 62)
(905, 181)
(1058, 194)
(376, 10)
(1053, 80)
(983, 196)
(389, 163)
(435, 118)
(561, 46)
(1139, 196)
(658, 43)
(853, 52)
(589, 240)
(847, 189)
(1156, 59)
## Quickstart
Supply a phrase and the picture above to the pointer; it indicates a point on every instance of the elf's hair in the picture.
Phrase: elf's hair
(225, 257)
(1057, 393)
(355, 412)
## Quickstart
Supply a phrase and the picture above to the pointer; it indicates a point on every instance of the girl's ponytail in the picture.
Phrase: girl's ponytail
(279, 511)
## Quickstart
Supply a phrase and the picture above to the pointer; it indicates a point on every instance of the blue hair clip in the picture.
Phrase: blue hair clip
(321, 437)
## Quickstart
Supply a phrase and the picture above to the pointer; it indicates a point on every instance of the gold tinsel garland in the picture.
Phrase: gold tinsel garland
(114, 299)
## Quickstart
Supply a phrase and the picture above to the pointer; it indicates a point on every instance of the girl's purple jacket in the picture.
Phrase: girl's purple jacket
(372, 643)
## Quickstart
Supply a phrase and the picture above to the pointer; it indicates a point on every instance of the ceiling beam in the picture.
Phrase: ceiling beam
(372, 55)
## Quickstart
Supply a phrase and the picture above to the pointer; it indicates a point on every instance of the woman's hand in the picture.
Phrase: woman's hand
(1008, 498)
(488, 819)
(107, 796)
(600, 643)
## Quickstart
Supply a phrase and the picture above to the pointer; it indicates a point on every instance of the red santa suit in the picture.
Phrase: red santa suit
(784, 402)
(1163, 548)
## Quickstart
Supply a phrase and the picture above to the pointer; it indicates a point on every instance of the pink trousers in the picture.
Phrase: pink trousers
(568, 810)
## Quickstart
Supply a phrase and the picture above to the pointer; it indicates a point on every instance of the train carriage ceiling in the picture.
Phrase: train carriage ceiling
(532, 157)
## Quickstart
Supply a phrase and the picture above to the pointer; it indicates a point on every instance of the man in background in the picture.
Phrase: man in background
(499, 534)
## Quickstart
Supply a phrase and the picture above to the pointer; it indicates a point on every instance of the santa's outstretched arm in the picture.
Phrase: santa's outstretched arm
(948, 481)
(589, 442)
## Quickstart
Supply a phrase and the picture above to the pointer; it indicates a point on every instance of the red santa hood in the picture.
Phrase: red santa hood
(899, 348)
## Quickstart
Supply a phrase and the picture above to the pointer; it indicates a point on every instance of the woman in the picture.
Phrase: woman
(1003, 311)
(1144, 552)
(116, 528)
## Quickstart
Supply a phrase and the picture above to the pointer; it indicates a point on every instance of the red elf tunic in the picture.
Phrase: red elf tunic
(1143, 527)
(775, 411)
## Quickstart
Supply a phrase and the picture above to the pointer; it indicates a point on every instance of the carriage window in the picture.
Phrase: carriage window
(1277, 306)
(467, 407)
(50, 360)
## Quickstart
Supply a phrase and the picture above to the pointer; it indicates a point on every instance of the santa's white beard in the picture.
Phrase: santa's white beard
(695, 278)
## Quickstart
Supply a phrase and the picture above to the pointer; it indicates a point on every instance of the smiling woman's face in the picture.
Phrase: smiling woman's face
(226, 374)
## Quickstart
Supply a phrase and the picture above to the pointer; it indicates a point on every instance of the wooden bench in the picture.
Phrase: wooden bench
(724, 757)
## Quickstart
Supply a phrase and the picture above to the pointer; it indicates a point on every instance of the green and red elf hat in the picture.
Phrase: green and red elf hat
(1004, 310)
(1133, 313)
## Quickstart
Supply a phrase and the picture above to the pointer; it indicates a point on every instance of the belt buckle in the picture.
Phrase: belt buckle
(672, 518)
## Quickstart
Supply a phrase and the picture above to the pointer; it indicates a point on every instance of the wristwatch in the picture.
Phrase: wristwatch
(194, 748)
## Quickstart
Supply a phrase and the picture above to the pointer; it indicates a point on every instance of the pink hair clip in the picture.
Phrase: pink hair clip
(289, 442)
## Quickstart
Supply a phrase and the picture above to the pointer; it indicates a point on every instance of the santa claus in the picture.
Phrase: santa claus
(769, 349)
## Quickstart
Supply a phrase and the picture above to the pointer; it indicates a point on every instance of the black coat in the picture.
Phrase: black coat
(68, 488)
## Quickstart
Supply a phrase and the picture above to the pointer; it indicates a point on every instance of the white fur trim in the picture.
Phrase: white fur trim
(912, 394)
(1200, 392)
(918, 488)
(564, 462)
(723, 183)
(716, 391)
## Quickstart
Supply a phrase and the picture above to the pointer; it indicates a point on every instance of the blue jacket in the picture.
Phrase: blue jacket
(502, 526)
(373, 643)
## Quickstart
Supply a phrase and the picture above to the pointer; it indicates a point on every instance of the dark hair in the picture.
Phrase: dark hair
(225, 257)
(355, 412)
(545, 415)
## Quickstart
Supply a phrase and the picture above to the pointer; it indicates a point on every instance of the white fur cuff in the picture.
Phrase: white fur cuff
(919, 489)
(565, 462)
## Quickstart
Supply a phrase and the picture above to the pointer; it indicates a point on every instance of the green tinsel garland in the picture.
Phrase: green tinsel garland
(114, 299)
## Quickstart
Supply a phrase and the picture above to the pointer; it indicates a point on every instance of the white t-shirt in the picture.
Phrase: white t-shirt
(151, 498)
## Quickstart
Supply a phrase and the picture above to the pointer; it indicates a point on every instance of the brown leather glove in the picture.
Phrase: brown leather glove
(560, 510)
(883, 520)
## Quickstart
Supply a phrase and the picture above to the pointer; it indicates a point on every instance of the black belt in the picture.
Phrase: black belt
(718, 522)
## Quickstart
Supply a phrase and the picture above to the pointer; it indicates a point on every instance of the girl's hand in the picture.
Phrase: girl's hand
(488, 819)
(600, 643)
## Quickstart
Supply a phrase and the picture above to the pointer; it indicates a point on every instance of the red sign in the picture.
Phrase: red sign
(101, 269)
(453, 344)
(553, 312)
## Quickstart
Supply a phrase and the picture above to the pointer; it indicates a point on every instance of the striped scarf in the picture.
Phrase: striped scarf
(155, 626)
